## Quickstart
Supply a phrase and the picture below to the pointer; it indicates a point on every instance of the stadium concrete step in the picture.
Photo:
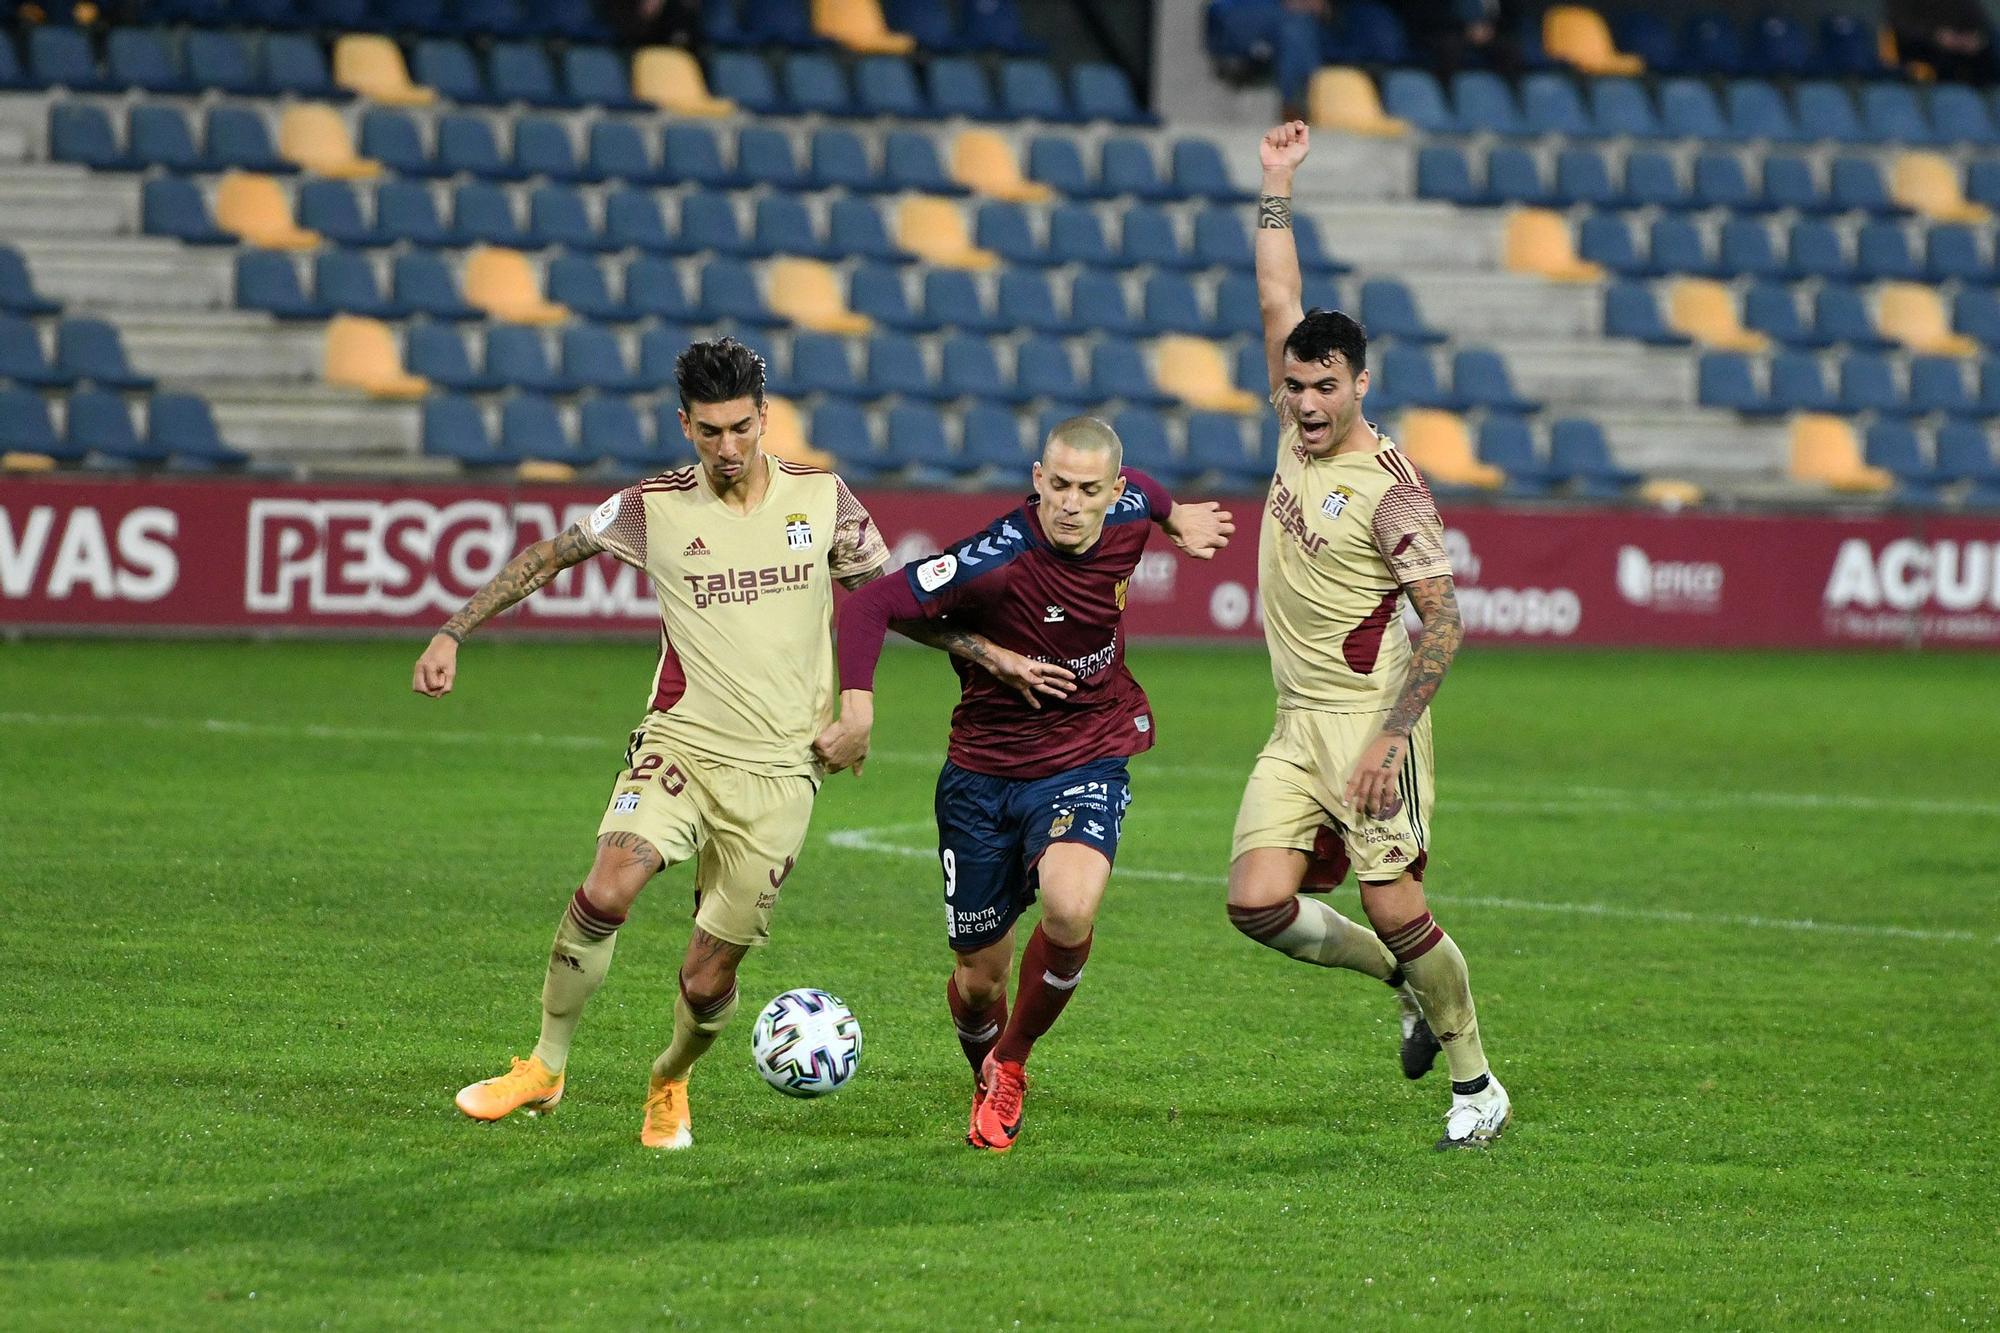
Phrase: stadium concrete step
(129, 273)
(273, 353)
(1495, 308)
(24, 120)
(1402, 235)
(1695, 443)
(294, 427)
(1597, 375)
(74, 203)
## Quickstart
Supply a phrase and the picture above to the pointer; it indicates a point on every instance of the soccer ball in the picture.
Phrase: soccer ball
(806, 1043)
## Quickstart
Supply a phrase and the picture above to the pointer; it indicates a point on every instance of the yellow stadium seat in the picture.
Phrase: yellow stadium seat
(362, 354)
(1670, 493)
(1826, 452)
(502, 283)
(1340, 98)
(859, 26)
(785, 435)
(672, 80)
(1914, 315)
(807, 293)
(934, 230)
(984, 163)
(544, 472)
(1195, 371)
(316, 138)
(1439, 443)
(255, 208)
(1580, 37)
(1928, 183)
(1538, 242)
(372, 66)
(1705, 311)
(15, 460)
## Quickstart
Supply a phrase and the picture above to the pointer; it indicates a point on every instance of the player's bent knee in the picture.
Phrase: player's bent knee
(1265, 877)
(621, 868)
(1264, 924)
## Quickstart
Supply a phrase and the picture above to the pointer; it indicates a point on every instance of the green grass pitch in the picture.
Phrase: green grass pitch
(1731, 920)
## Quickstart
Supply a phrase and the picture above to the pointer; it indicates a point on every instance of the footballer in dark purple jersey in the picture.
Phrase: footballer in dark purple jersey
(1034, 788)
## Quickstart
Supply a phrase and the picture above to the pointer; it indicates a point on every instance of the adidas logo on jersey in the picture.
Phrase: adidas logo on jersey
(696, 547)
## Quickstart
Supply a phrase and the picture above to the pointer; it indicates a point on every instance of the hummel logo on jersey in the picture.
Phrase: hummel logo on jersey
(695, 547)
(1052, 614)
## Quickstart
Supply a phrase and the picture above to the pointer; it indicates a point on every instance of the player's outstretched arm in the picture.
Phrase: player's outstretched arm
(533, 567)
(1200, 529)
(1373, 784)
(1280, 289)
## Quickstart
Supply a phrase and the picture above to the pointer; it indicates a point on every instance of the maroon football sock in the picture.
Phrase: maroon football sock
(978, 1029)
(1049, 973)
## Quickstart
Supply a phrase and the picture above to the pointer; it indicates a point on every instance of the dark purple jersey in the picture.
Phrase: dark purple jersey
(1011, 584)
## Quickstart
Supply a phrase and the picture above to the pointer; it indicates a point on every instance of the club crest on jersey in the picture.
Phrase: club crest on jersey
(1062, 823)
(934, 574)
(1118, 592)
(798, 532)
(625, 802)
(1335, 504)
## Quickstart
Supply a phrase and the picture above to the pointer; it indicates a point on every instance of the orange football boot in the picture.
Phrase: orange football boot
(528, 1085)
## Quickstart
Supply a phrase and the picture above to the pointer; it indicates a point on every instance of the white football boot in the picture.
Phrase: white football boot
(1476, 1119)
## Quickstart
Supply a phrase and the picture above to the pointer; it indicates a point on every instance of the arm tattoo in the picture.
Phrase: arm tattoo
(523, 574)
(1274, 213)
(704, 947)
(865, 577)
(1431, 654)
(646, 856)
(974, 648)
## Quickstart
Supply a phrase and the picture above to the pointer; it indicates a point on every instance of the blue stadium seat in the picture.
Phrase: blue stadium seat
(1840, 314)
(465, 143)
(1882, 252)
(98, 422)
(1408, 378)
(653, 290)
(25, 427)
(1007, 230)
(1798, 384)
(1781, 45)
(82, 133)
(438, 353)
(1584, 177)
(1964, 453)
(389, 137)
(1415, 96)
(609, 427)
(896, 366)
(878, 291)
(1215, 448)
(1850, 47)
(1482, 101)
(22, 358)
(746, 80)
(708, 222)
(958, 87)
(90, 349)
(542, 147)
(1236, 309)
(934, 26)
(1098, 300)
(970, 369)
(1144, 434)
(1814, 250)
(1076, 236)
(1443, 172)
(1221, 240)
(887, 86)
(596, 75)
(577, 282)
(1894, 447)
(1757, 110)
(1388, 310)
(1514, 177)
(1577, 451)
(694, 153)
(1688, 110)
(531, 426)
(1711, 43)
(618, 152)
(345, 280)
(1054, 160)
(222, 62)
(1790, 182)
(483, 211)
(855, 227)
(422, 282)
(450, 68)
(780, 23)
(407, 211)
(910, 162)
(1630, 311)
(158, 135)
(1200, 173)
(1868, 384)
(522, 72)
(816, 85)
(1825, 111)
(558, 216)
(181, 426)
(1043, 369)
(1249, 371)
(843, 429)
(1982, 181)
(1678, 247)
(1026, 300)
(1029, 90)
(17, 287)
(1721, 182)
(1727, 380)
(784, 226)
(1103, 92)
(991, 438)
(820, 364)
(143, 58)
(952, 298)
(60, 57)
(1479, 378)
(1606, 239)
(1960, 115)
(1507, 443)
(633, 221)
(1118, 371)
(1550, 105)
(238, 136)
(1148, 237)
(659, 346)
(1172, 305)
(996, 25)
(295, 63)
(729, 291)
(1623, 107)
(268, 280)
(1938, 384)
(840, 160)
(1772, 309)
(1976, 311)
(173, 206)
(1891, 113)
(1646, 35)
(1652, 180)
(331, 208)
(1126, 166)
(1747, 250)
(913, 441)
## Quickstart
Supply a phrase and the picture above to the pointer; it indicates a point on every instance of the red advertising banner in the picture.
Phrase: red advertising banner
(235, 554)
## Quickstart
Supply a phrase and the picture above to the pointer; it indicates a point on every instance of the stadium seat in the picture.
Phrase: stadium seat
(1388, 310)
(693, 153)
(159, 136)
(617, 151)
(1441, 446)
(1882, 250)
(371, 66)
(1721, 182)
(633, 221)
(455, 427)
(532, 428)
(1688, 110)
(1215, 448)
(1914, 315)
(1652, 180)
(1939, 384)
(362, 354)
(1344, 100)
(466, 144)
(1483, 102)
(855, 228)
(316, 139)
(1927, 183)
(709, 222)
(1952, 254)
(1199, 173)
(222, 62)
(784, 226)
(896, 365)
(1959, 115)
(542, 147)
(577, 282)
(1098, 300)
(1747, 250)
(483, 211)
(839, 159)
(173, 206)
(935, 230)
(1622, 107)
(1581, 38)
(517, 357)
(609, 427)
(1479, 378)
(1857, 186)
(1538, 242)
(1222, 241)
(1577, 451)
(1727, 380)
(1172, 305)
(807, 293)
(816, 84)
(660, 345)
(1195, 371)
(422, 282)
(450, 68)
(331, 208)
(1551, 105)
(521, 71)
(969, 368)
(1026, 300)
(1790, 182)
(984, 163)
(1868, 384)
(1825, 111)
(392, 139)
(1976, 311)
(501, 282)
(1893, 447)
(672, 80)
(991, 438)
(1100, 91)
(878, 291)
(253, 208)
(910, 163)
(22, 358)
(143, 59)
(1781, 45)
(1770, 308)
(1891, 113)
(1043, 369)
(1055, 161)
(1076, 236)
(558, 216)
(1407, 377)
(1007, 230)
(60, 57)
(84, 134)
(1798, 384)
(958, 87)
(1415, 97)
(1443, 172)
(294, 63)
(1506, 442)
(729, 291)
(953, 298)
(596, 76)
(181, 426)
(1143, 432)
(1605, 239)
(26, 429)
(1813, 249)
(1965, 453)
(1825, 452)
(1583, 177)
(269, 281)
(1756, 110)
(346, 281)
(1126, 166)
(1631, 312)
(1149, 238)
(1514, 177)
(1236, 308)
(1030, 90)
(1118, 370)
(17, 287)
(1705, 311)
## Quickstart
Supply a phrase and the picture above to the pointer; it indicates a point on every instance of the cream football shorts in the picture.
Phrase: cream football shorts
(1295, 792)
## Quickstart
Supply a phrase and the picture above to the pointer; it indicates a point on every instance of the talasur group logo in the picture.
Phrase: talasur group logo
(1668, 585)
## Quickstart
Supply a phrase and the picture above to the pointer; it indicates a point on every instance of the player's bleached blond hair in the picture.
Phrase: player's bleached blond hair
(1090, 434)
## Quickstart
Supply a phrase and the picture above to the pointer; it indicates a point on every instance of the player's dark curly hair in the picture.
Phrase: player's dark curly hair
(1324, 332)
(719, 371)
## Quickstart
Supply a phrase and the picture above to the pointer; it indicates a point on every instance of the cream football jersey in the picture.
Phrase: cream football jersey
(1341, 536)
(746, 601)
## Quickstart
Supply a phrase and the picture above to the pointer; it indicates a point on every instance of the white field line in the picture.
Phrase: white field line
(879, 840)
